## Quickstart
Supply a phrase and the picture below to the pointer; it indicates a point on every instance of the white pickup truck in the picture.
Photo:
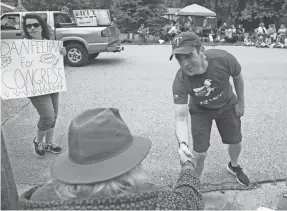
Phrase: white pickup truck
(82, 42)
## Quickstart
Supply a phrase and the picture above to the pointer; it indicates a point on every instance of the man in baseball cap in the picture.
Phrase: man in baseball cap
(181, 44)
(204, 77)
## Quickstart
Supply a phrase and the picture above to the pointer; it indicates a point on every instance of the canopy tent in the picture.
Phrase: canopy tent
(196, 10)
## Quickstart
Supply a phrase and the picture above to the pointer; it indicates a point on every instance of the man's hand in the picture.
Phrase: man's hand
(239, 109)
(184, 154)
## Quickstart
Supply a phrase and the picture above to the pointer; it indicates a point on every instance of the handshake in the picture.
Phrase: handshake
(184, 154)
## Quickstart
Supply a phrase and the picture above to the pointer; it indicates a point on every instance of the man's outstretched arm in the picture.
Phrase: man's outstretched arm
(181, 122)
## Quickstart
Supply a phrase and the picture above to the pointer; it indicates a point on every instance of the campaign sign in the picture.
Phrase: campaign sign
(92, 17)
(31, 68)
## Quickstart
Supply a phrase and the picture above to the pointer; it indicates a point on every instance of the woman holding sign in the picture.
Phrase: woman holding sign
(46, 105)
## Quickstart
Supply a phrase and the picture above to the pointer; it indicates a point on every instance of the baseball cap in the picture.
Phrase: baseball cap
(182, 42)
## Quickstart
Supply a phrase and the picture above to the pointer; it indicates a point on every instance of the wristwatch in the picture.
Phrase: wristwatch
(183, 143)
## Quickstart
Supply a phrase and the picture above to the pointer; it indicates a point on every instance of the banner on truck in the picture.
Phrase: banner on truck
(92, 17)
(31, 68)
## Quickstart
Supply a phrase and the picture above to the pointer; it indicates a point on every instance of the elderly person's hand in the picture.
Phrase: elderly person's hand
(63, 51)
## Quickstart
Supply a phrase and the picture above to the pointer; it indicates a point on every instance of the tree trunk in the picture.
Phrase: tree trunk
(9, 194)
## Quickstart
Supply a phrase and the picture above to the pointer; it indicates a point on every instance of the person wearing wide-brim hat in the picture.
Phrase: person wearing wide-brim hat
(102, 170)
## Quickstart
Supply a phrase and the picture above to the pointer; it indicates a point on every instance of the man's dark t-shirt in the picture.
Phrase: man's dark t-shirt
(211, 90)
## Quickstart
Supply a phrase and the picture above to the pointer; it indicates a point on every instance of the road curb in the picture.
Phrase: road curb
(264, 195)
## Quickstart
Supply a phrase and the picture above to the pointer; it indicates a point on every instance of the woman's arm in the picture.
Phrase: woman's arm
(186, 193)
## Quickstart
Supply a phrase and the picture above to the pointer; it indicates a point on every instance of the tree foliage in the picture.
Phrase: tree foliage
(260, 9)
(38, 5)
(238, 9)
(131, 13)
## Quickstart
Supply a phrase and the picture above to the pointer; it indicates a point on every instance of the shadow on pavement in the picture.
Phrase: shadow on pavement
(105, 61)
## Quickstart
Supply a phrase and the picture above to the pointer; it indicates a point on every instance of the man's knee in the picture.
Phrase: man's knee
(199, 156)
(237, 145)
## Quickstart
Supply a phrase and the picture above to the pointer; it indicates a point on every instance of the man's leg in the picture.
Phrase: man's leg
(200, 129)
(234, 152)
(199, 161)
(229, 127)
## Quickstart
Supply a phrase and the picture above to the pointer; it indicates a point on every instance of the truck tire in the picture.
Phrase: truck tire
(93, 56)
(77, 55)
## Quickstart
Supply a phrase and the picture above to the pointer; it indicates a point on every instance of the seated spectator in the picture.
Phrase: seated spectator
(189, 18)
(163, 36)
(240, 33)
(188, 26)
(147, 32)
(233, 29)
(261, 33)
(260, 43)
(198, 31)
(247, 41)
(230, 36)
(272, 34)
(282, 30)
(210, 33)
(175, 30)
(281, 41)
(101, 170)
(205, 33)
(164, 32)
(221, 30)
(261, 30)
(211, 36)
(240, 29)
(143, 31)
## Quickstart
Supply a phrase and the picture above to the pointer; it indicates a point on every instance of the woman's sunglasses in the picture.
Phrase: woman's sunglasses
(35, 25)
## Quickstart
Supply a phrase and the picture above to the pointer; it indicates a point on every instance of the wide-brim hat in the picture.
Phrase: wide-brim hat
(100, 147)
(183, 43)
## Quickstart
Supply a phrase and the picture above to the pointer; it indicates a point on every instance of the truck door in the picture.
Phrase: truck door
(11, 26)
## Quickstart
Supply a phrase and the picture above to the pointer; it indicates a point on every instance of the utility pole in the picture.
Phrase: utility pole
(20, 7)
(9, 194)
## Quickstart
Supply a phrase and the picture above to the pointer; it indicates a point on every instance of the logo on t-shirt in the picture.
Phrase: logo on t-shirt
(205, 90)
(177, 41)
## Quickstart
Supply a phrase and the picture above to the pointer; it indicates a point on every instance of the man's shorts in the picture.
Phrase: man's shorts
(228, 124)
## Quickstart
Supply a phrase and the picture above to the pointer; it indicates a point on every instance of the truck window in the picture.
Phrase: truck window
(62, 18)
(10, 22)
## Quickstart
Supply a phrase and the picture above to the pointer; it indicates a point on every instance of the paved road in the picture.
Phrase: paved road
(138, 82)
